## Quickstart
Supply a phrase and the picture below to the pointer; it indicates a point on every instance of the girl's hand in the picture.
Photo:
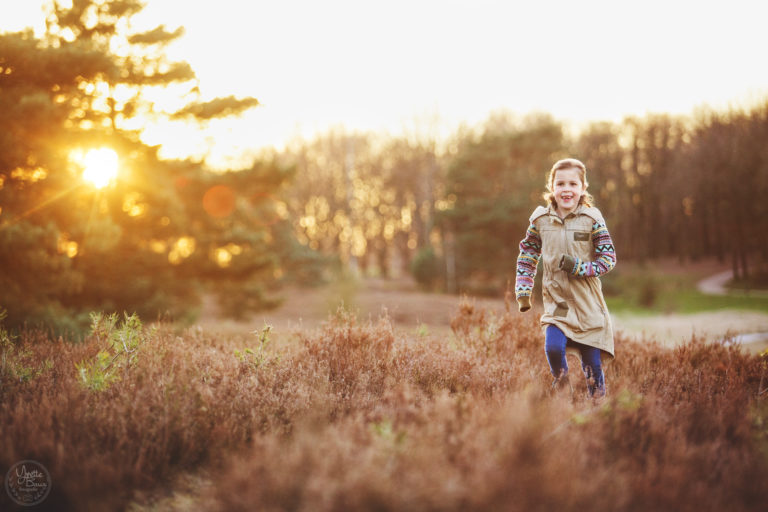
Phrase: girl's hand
(567, 263)
(524, 303)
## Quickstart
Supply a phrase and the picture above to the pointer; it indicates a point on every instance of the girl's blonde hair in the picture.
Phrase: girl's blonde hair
(568, 163)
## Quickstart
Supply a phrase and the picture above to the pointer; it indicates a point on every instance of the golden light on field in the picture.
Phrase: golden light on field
(100, 166)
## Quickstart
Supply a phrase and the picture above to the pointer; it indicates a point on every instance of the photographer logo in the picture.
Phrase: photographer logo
(28, 482)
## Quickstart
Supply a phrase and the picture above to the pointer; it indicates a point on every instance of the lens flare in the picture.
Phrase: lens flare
(219, 201)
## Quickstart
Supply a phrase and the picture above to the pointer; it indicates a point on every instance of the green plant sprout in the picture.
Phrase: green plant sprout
(123, 342)
(255, 358)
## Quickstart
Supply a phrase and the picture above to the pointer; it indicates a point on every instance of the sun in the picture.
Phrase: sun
(100, 166)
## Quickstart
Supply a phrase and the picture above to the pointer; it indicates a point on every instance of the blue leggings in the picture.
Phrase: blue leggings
(555, 343)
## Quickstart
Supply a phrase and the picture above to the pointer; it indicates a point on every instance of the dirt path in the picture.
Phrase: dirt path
(412, 309)
(306, 308)
(715, 285)
(747, 327)
(750, 328)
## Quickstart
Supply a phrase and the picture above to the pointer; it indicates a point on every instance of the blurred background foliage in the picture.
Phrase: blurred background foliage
(168, 234)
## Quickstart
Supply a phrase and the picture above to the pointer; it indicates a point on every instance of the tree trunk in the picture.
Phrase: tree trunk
(449, 251)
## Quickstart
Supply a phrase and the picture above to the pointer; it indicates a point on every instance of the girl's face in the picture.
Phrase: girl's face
(567, 188)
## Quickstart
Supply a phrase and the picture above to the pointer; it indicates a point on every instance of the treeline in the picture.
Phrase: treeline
(685, 187)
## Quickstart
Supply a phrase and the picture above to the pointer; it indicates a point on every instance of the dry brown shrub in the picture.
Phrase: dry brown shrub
(354, 416)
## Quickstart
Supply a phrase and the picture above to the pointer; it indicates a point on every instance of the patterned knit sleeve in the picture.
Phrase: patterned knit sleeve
(605, 254)
(527, 261)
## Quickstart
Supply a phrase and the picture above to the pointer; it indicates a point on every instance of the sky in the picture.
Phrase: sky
(431, 65)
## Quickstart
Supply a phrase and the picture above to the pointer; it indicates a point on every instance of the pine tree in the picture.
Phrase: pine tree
(145, 244)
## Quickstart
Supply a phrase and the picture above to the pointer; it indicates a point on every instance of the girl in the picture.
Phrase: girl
(570, 237)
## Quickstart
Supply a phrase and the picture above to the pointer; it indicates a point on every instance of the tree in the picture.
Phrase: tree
(37, 229)
(66, 248)
(494, 182)
(413, 177)
(729, 169)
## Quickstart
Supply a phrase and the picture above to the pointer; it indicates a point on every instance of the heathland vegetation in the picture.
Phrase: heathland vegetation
(358, 416)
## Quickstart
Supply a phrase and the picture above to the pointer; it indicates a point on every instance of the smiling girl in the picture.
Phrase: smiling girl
(569, 236)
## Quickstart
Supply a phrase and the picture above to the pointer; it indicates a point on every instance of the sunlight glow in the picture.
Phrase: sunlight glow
(100, 166)
(223, 257)
(182, 249)
(67, 246)
(133, 204)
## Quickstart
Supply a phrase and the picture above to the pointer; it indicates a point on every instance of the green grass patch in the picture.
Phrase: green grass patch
(685, 301)
(644, 288)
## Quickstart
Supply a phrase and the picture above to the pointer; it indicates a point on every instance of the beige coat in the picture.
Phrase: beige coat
(574, 304)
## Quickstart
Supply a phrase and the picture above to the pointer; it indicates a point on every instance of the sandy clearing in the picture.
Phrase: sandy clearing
(410, 308)
(673, 329)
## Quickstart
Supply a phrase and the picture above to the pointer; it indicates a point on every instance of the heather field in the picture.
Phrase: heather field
(359, 415)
